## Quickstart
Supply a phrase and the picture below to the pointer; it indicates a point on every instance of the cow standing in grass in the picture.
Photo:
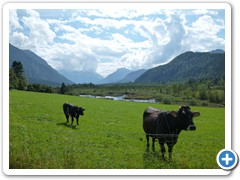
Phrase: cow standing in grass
(167, 125)
(73, 111)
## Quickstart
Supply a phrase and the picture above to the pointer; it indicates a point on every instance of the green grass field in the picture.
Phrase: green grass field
(109, 135)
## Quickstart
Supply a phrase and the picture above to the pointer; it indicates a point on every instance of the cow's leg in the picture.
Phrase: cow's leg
(147, 137)
(170, 144)
(67, 116)
(170, 149)
(66, 111)
(77, 119)
(163, 150)
(153, 143)
(72, 121)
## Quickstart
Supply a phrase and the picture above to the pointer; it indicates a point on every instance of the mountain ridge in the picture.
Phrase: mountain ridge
(116, 76)
(132, 76)
(189, 65)
(36, 69)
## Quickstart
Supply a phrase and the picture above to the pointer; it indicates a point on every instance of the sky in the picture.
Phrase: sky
(104, 40)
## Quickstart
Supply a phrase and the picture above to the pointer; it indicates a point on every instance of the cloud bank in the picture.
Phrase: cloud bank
(103, 40)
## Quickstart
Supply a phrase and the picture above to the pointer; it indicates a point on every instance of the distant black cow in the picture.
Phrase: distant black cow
(73, 111)
(167, 125)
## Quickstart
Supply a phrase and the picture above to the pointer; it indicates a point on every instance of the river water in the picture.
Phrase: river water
(120, 98)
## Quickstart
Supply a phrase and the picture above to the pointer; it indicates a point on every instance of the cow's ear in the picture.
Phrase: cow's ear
(174, 113)
(196, 114)
(83, 109)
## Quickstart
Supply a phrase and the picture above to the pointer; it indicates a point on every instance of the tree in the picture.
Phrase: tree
(17, 79)
(18, 68)
(203, 94)
(13, 80)
(63, 89)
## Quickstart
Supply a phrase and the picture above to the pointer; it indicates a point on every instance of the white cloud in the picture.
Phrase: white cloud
(39, 30)
(203, 35)
(204, 12)
(119, 38)
(205, 24)
(106, 68)
(13, 20)
(70, 57)
(19, 40)
(115, 13)
(104, 40)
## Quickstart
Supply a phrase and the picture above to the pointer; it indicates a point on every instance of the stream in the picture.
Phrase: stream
(120, 98)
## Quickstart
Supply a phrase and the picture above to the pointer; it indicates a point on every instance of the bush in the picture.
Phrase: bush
(166, 101)
(204, 104)
(193, 103)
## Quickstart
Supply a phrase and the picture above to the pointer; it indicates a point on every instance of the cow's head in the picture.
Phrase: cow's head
(185, 118)
(80, 111)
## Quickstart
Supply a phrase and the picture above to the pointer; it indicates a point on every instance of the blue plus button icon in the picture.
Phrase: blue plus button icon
(227, 159)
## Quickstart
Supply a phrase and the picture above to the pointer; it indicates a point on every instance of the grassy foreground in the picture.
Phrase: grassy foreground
(109, 135)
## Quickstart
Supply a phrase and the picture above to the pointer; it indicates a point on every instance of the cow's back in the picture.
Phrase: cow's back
(150, 117)
(70, 109)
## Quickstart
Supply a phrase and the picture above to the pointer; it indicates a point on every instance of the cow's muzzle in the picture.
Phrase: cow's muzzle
(191, 128)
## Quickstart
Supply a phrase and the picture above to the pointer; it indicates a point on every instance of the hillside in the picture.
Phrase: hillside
(187, 66)
(36, 69)
(132, 76)
(116, 76)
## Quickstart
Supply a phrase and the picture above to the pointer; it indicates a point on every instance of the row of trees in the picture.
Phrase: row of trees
(17, 80)
(195, 92)
(212, 91)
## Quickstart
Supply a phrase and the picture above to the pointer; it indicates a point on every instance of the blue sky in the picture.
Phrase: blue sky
(103, 40)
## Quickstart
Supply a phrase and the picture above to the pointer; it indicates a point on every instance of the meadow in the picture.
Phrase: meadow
(109, 135)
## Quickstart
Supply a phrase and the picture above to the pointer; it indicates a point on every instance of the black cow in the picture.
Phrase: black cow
(167, 125)
(73, 111)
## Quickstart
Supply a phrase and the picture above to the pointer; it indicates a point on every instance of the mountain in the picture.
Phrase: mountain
(187, 66)
(217, 51)
(116, 76)
(36, 69)
(82, 76)
(132, 76)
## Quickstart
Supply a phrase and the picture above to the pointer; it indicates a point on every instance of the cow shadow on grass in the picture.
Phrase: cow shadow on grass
(67, 125)
(153, 160)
